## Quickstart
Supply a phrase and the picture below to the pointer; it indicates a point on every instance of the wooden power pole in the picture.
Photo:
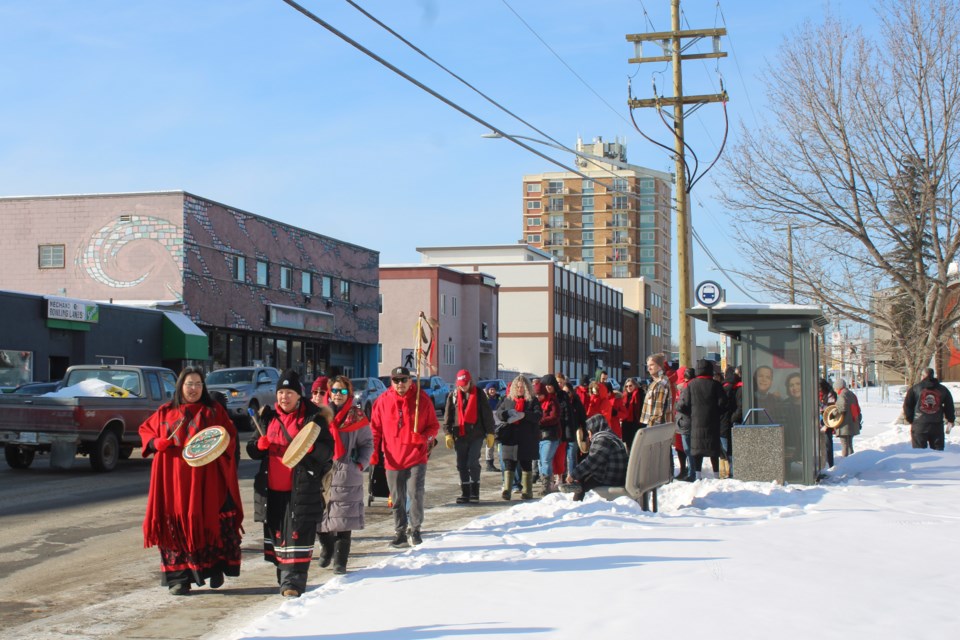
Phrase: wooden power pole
(674, 40)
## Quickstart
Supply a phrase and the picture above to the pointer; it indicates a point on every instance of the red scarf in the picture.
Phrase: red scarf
(349, 418)
(406, 408)
(467, 415)
(519, 403)
(281, 430)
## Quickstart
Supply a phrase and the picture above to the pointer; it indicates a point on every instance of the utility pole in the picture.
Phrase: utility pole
(674, 40)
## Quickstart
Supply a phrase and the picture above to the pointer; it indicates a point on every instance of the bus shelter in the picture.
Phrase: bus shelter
(777, 349)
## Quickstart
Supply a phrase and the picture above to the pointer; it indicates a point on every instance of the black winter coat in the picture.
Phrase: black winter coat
(704, 402)
(525, 434)
(306, 495)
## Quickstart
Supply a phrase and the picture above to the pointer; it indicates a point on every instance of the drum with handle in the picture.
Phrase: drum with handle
(300, 445)
(832, 418)
(205, 446)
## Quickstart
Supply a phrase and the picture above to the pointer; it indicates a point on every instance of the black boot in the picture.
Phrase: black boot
(326, 549)
(492, 467)
(341, 549)
(464, 496)
(474, 492)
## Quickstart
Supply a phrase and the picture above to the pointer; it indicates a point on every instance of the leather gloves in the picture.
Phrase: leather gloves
(448, 440)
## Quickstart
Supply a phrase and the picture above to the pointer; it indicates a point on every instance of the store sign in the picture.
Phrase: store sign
(69, 309)
(300, 319)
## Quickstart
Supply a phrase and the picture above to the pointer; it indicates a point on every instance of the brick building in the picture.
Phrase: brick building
(261, 290)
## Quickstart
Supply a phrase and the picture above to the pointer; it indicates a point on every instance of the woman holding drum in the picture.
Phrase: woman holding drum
(194, 512)
(294, 449)
(352, 448)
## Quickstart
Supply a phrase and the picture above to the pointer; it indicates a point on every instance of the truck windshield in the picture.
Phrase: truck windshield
(230, 376)
(128, 380)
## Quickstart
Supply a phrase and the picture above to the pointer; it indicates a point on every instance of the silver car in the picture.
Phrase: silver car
(245, 388)
(366, 391)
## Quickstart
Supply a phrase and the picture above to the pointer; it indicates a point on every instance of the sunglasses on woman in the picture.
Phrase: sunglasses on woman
(344, 392)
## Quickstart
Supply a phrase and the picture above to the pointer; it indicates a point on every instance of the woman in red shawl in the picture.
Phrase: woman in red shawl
(601, 402)
(194, 514)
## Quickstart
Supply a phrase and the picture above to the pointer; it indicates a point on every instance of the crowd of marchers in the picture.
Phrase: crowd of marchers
(316, 453)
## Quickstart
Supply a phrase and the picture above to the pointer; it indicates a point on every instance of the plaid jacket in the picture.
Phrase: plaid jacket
(606, 462)
(658, 403)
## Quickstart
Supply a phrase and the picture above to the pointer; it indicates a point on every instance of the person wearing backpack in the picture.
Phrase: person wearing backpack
(925, 406)
(849, 409)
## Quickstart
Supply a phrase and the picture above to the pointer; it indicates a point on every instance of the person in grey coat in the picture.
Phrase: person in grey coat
(849, 409)
(353, 446)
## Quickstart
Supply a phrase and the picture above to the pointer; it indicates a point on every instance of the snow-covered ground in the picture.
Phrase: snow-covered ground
(869, 553)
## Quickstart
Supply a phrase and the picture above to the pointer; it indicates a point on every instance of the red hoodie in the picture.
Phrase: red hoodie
(391, 421)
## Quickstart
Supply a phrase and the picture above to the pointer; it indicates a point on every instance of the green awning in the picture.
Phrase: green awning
(183, 340)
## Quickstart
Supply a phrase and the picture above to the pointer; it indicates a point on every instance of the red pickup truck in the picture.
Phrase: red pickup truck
(105, 428)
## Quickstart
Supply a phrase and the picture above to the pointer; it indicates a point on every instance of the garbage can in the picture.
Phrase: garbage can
(758, 450)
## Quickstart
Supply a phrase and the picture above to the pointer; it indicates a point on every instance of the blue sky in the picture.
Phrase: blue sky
(249, 103)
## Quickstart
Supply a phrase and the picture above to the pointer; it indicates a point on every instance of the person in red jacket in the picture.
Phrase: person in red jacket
(631, 401)
(546, 393)
(405, 425)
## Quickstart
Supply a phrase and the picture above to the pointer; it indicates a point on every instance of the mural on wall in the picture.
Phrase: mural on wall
(99, 257)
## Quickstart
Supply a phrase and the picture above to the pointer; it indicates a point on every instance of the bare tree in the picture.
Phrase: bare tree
(861, 159)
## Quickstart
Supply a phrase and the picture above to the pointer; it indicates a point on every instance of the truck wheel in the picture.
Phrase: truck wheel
(105, 452)
(18, 457)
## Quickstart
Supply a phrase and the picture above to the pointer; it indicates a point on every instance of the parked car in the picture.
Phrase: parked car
(104, 427)
(36, 388)
(245, 388)
(366, 391)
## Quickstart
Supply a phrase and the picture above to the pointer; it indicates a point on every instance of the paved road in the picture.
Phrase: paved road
(72, 562)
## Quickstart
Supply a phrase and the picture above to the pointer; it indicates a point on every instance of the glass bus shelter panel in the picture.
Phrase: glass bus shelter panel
(780, 377)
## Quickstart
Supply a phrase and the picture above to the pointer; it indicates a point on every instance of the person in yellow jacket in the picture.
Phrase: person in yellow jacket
(467, 422)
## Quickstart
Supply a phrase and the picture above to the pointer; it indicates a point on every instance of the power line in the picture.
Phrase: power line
(564, 62)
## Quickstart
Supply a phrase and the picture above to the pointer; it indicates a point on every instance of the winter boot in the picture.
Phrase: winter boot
(474, 492)
(546, 486)
(507, 483)
(492, 467)
(326, 549)
(341, 549)
(464, 496)
(724, 469)
(526, 481)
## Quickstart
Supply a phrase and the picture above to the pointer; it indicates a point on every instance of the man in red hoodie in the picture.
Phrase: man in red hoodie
(405, 425)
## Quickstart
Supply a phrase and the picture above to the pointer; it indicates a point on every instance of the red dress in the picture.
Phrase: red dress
(194, 514)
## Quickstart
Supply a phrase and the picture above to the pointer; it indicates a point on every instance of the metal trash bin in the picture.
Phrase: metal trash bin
(758, 449)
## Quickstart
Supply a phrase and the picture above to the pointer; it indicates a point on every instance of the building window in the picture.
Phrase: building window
(619, 271)
(534, 222)
(443, 304)
(449, 353)
(648, 253)
(239, 268)
(588, 203)
(587, 186)
(285, 275)
(556, 204)
(620, 202)
(648, 236)
(648, 271)
(533, 237)
(453, 306)
(533, 187)
(51, 256)
(588, 254)
(620, 220)
(620, 184)
(263, 273)
(533, 205)
(587, 238)
(326, 287)
(587, 221)
(345, 290)
(380, 353)
(646, 219)
(555, 186)
(306, 283)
